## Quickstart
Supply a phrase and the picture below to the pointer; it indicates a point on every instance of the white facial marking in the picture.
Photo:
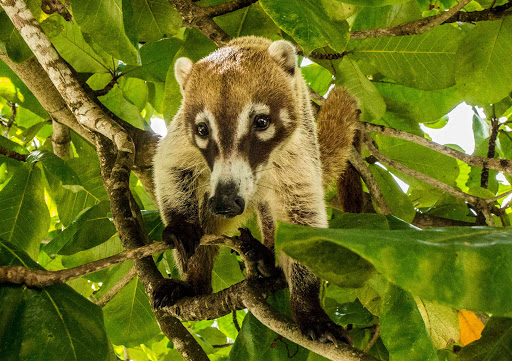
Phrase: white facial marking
(234, 170)
(268, 133)
(245, 119)
(285, 117)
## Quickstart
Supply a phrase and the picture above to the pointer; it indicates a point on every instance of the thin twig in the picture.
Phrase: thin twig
(374, 339)
(44, 278)
(503, 165)
(235, 321)
(373, 187)
(111, 293)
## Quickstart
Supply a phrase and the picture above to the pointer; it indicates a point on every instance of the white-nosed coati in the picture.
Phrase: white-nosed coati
(245, 140)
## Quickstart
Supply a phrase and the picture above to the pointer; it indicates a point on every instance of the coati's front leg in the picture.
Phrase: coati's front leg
(306, 207)
(184, 229)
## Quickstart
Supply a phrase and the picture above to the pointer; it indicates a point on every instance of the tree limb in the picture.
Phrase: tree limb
(227, 7)
(12, 154)
(111, 293)
(44, 278)
(380, 202)
(503, 165)
(84, 109)
(61, 138)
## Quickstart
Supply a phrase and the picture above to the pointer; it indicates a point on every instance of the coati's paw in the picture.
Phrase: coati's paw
(255, 252)
(170, 291)
(324, 332)
(184, 236)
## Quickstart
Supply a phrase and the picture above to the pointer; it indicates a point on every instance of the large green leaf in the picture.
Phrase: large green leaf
(402, 329)
(421, 105)
(350, 76)
(494, 345)
(226, 271)
(23, 96)
(317, 78)
(155, 58)
(442, 322)
(374, 2)
(308, 23)
(102, 20)
(54, 323)
(484, 70)
(390, 15)
(90, 229)
(397, 200)
(25, 218)
(155, 19)
(56, 170)
(425, 61)
(450, 265)
(128, 317)
(71, 45)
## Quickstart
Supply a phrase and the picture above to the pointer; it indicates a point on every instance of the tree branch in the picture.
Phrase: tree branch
(43, 278)
(129, 225)
(227, 7)
(84, 109)
(12, 154)
(116, 288)
(503, 165)
(480, 203)
(61, 138)
(380, 202)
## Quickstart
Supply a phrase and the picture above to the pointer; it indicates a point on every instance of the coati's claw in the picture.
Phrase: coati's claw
(325, 332)
(255, 252)
(170, 291)
(184, 236)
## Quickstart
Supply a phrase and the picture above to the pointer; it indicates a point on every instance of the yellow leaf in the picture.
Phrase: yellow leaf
(470, 327)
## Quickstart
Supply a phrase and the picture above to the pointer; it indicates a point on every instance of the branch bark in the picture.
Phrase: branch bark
(61, 139)
(12, 154)
(42, 278)
(503, 165)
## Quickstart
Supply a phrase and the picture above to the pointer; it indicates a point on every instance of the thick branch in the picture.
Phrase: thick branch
(84, 109)
(380, 203)
(61, 138)
(43, 278)
(422, 220)
(503, 165)
(227, 7)
(129, 226)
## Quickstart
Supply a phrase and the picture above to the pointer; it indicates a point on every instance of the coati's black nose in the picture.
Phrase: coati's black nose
(226, 201)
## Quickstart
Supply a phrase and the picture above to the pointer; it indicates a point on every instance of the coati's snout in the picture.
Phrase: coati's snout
(226, 202)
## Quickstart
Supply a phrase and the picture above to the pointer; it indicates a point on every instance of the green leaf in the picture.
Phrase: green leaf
(25, 218)
(251, 20)
(442, 322)
(53, 323)
(12, 41)
(155, 19)
(56, 169)
(90, 229)
(374, 3)
(402, 329)
(226, 271)
(72, 46)
(156, 58)
(227, 326)
(494, 345)
(372, 18)
(421, 105)
(23, 95)
(425, 61)
(317, 78)
(102, 20)
(449, 265)
(128, 317)
(350, 76)
(397, 200)
(484, 72)
(308, 23)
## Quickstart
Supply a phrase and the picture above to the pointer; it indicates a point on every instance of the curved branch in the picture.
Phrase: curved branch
(43, 278)
(503, 165)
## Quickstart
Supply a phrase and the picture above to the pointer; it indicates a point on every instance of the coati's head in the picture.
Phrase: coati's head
(239, 105)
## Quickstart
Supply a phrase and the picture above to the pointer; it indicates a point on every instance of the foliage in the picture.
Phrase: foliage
(55, 212)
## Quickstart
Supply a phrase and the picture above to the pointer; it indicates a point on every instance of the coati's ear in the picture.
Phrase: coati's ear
(284, 54)
(182, 68)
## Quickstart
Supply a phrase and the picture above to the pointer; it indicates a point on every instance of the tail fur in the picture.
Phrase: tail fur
(336, 131)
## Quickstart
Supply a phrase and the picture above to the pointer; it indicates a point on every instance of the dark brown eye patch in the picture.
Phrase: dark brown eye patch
(261, 121)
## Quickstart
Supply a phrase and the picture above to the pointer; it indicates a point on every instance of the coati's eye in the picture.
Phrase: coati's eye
(261, 121)
(202, 129)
